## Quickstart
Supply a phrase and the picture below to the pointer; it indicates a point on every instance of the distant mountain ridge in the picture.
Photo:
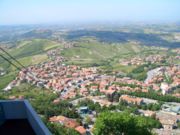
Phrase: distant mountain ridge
(32, 34)
(37, 34)
(122, 37)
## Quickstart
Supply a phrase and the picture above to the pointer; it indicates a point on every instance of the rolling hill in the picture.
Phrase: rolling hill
(27, 52)
(149, 39)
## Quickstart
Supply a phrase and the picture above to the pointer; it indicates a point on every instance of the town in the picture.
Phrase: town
(81, 84)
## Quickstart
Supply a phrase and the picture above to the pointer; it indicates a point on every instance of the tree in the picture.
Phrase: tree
(178, 124)
(88, 120)
(114, 123)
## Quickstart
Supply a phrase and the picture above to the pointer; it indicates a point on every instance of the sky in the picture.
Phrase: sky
(74, 11)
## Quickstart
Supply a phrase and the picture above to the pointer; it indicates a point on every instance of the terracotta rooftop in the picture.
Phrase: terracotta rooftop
(81, 129)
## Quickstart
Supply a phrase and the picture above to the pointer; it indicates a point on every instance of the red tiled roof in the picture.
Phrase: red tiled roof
(131, 99)
(80, 129)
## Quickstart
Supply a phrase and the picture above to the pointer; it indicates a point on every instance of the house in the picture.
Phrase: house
(131, 99)
(109, 92)
(102, 102)
(12, 97)
(83, 91)
(147, 113)
(155, 87)
(94, 88)
(81, 130)
(168, 121)
(100, 99)
(112, 87)
(60, 119)
(67, 122)
(70, 123)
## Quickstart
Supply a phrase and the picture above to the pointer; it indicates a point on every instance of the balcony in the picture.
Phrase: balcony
(17, 117)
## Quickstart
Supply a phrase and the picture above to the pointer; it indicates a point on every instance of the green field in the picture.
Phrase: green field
(94, 50)
(6, 79)
(26, 51)
(33, 47)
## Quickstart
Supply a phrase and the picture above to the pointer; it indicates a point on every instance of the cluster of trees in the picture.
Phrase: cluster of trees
(139, 72)
(114, 123)
(125, 84)
(178, 124)
(122, 106)
(91, 105)
(145, 67)
(139, 69)
(43, 105)
(151, 106)
(168, 79)
(153, 95)
(96, 106)
(138, 76)
(133, 108)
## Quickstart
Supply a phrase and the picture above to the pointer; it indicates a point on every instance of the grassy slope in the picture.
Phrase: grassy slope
(97, 51)
(33, 47)
(4, 80)
(26, 51)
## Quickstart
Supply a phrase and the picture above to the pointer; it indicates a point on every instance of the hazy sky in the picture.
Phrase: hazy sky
(56, 11)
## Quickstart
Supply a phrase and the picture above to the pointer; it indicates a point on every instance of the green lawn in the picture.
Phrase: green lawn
(6, 79)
